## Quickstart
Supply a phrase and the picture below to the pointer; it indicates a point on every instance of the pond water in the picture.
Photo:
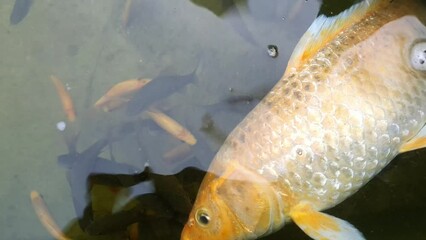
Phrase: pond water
(220, 46)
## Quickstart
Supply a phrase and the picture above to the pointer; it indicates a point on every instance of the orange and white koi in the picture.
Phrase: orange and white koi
(120, 93)
(66, 100)
(353, 96)
(172, 127)
(45, 218)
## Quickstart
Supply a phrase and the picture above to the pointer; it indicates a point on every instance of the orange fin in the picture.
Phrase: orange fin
(324, 29)
(417, 142)
(322, 226)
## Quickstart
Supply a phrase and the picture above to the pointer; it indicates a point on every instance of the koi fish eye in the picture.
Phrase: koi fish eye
(418, 56)
(202, 217)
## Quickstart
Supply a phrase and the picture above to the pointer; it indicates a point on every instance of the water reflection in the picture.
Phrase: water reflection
(105, 191)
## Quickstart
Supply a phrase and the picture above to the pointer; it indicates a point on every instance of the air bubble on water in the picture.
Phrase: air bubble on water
(61, 126)
(273, 51)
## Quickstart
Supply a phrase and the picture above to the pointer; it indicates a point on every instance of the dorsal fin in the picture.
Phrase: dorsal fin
(324, 29)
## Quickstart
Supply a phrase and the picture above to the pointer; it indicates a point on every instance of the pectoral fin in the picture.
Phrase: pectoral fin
(321, 226)
(419, 141)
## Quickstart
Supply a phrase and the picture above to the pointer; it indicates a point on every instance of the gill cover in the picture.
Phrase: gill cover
(252, 200)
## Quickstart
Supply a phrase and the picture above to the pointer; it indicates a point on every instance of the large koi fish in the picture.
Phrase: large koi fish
(352, 98)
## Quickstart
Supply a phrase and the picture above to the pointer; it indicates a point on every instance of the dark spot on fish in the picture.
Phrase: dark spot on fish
(287, 102)
(422, 61)
(268, 103)
(291, 76)
(307, 87)
(298, 95)
(240, 189)
(286, 91)
(276, 111)
(326, 69)
(242, 138)
(20, 11)
(317, 78)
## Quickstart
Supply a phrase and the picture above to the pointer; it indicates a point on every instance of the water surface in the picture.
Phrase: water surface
(89, 46)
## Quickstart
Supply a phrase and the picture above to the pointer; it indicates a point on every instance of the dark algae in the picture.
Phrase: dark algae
(20, 11)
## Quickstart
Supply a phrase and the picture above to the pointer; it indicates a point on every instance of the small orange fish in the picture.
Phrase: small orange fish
(65, 97)
(121, 91)
(172, 127)
(45, 218)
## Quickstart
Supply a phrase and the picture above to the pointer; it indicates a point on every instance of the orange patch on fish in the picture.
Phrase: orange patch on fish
(66, 100)
(119, 94)
(172, 127)
(45, 218)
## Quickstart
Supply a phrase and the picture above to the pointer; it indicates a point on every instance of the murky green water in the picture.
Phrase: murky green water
(89, 47)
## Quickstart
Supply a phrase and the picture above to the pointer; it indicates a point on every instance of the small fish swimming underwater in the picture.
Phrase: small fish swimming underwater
(353, 96)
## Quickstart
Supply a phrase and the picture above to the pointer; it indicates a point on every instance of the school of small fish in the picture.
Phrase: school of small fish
(353, 96)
